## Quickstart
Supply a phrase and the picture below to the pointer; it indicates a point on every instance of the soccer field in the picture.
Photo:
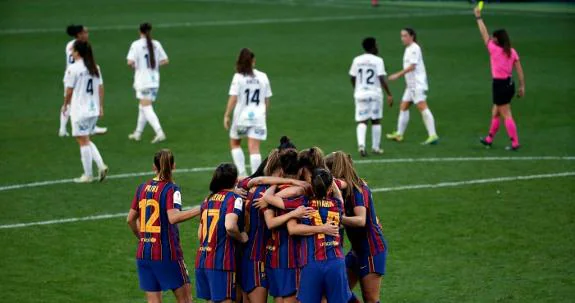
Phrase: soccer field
(463, 223)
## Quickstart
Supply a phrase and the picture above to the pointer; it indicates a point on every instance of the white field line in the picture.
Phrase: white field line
(15, 31)
(382, 189)
(205, 169)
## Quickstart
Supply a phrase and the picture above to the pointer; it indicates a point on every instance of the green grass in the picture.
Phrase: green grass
(494, 242)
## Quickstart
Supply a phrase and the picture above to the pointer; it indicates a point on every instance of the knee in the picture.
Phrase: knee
(235, 144)
(362, 122)
(376, 122)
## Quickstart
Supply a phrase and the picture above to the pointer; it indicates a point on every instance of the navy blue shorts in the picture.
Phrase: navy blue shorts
(282, 281)
(363, 264)
(252, 275)
(162, 275)
(215, 285)
(326, 278)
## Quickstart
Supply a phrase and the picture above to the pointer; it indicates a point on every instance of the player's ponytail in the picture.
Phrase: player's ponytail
(164, 163)
(321, 182)
(503, 41)
(285, 143)
(411, 33)
(146, 29)
(289, 162)
(340, 165)
(225, 177)
(311, 159)
(244, 64)
(74, 29)
(84, 49)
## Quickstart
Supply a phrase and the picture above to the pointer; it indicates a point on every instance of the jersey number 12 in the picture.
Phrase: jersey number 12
(370, 75)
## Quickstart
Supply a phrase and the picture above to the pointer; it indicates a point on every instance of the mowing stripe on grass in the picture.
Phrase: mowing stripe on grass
(382, 189)
(205, 169)
(15, 31)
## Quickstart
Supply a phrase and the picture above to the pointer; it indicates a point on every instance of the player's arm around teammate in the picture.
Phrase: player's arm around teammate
(249, 98)
(416, 89)
(503, 58)
(155, 211)
(84, 96)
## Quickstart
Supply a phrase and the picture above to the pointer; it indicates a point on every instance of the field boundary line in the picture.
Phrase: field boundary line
(381, 189)
(16, 31)
(375, 161)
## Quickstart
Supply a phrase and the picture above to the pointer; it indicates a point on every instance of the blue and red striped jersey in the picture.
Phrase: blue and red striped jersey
(159, 240)
(217, 249)
(282, 248)
(368, 239)
(255, 226)
(320, 247)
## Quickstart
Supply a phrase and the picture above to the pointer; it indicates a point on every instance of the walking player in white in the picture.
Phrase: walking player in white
(79, 33)
(85, 96)
(145, 57)
(416, 88)
(250, 94)
(368, 78)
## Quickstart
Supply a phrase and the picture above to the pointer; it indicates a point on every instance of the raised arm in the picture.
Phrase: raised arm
(273, 181)
(176, 216)
(481, 25)
(229, 108)
(521, 77)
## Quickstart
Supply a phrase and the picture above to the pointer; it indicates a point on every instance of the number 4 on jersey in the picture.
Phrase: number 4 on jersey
(89, 87)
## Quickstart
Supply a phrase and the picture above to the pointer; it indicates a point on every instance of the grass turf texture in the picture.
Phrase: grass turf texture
(508, 242)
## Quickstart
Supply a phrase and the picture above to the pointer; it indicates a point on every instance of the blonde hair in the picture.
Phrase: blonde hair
(273, 163)
(341, 166)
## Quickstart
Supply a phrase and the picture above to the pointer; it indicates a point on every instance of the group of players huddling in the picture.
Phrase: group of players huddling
(276, 232)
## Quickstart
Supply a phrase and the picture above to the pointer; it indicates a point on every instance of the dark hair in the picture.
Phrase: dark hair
(84, 49)
(285, 143)
(225, 176)
(311, 158)
(164, 163)
(74, 29)
(261, 169)
(368, 44)
(146, 29)
(244, 64)
(289, 162)
(503, 41)
(321, 182)
(411, 32)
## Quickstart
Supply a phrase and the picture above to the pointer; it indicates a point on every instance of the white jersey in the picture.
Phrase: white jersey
(145, 76)
(367, 69)
(86, 95)
(416, 79)
(252, 92)
(68, 52)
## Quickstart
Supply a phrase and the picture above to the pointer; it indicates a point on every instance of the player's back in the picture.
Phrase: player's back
(159, 239)
(366, 69)
(255, 226)
(368, 239)
(145, 75)
(251, 91)
(321, 247)
(86, 94)
(217, 249)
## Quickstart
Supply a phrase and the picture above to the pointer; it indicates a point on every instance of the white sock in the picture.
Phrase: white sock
(96, 156)
(402, 121)
(239, 160)
(152, 118)
(141, 121)
(429, 122)
(64, 118)
(375, 136)
(86, 156)
(255, 161)
(361, 131)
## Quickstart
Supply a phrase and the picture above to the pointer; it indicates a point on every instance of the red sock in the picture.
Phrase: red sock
(512, 131)
(493, 129)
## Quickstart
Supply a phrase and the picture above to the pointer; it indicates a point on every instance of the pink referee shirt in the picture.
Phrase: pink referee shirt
(501, 65)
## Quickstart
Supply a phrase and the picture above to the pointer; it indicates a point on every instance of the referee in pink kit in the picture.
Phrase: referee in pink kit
(503, 58)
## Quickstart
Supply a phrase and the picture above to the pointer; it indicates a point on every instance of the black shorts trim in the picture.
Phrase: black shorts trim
(503, 91)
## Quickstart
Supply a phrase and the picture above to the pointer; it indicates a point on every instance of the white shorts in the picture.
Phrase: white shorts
(84, 127)
(368, 109)
(414, 95)
(147, 94)
(253, 132)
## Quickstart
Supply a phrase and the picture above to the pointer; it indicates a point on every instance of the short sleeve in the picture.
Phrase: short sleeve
(243, 184)
(491, 46)
(131, 53)
(136, 199)
(358, 198)
(70, 78)
(413, 55)
(101, 76)
(235, 86)
(235, 205)
(514, 55)
(381, 68)
(174, 198)
(268, 88)
(161, 52)
(338, 183)
(353, 69)
(293, 203)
